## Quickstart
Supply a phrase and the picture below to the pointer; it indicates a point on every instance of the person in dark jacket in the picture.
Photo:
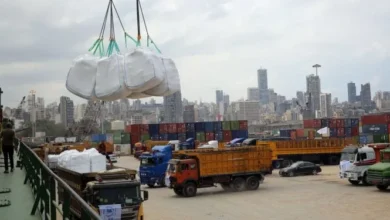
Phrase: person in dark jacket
(102, 150)
(7, 138)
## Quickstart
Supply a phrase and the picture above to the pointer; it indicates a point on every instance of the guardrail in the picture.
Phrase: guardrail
(43, 182)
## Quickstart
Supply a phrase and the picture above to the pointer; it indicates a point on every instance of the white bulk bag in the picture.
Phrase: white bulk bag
(138, 95)
(143, 70)
(110, 78)
(171, 82)
(82, 76)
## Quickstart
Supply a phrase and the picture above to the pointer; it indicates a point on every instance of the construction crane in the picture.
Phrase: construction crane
(19, 110)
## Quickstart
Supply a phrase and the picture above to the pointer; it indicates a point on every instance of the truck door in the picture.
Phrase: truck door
(189, 171)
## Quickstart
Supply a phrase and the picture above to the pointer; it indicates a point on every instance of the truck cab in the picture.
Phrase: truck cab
(235, 142)
(354, 163)
(210, 145)
(188, 144)
(379, 173)
(153, 165)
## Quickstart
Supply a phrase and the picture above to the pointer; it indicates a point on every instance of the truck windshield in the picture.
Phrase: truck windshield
(347, 157)
(171, 168)
(147, 162)
(110, 196)
(385, 156)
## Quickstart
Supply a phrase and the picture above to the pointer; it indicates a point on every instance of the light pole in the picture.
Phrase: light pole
(316, 66)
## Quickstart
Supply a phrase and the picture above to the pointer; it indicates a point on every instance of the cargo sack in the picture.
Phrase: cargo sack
(143, 70)
(81, 77)
(110, 78)
(138, 95)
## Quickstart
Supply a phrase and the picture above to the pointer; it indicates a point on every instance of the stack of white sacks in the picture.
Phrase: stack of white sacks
(81, 162)
(139, 73)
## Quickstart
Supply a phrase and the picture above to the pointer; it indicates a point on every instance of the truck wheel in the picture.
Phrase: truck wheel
(354, 182)
(178, 191)
(226, 186)
(161, 182)
(277, 165)
(291, 174)
(238, 184)
(382, 187)
(365, 181)
(252, 183)
(190, 190)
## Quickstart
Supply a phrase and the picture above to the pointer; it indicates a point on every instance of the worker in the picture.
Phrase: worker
(7, 137)
(102, 150)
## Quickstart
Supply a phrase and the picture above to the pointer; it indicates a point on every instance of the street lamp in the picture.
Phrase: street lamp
(316, 66)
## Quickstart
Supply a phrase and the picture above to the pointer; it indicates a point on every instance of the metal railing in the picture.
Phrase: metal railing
(43, 182)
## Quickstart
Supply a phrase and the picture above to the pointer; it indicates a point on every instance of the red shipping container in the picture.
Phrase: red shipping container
(172, 128)
(243, 125)
(227, 136)
(388, 118)
(293, 135)
(340, 123)
(374, 119)
(316, 123)
(163, 128)
(332, 123)
(308, 123)
(355, 131)
(135, 129)
(144, 128)
(340, 132)
(209, 136)
(134, 138)
(181, 127)
(388, 128)
(128, 129)
(300, 132)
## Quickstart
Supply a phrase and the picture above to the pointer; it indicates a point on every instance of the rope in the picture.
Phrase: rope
(146, 29)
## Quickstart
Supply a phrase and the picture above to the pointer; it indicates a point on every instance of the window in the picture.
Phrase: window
(184, 166)
(192, 166)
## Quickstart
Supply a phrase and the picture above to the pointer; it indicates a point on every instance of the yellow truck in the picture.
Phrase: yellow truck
(233, 168)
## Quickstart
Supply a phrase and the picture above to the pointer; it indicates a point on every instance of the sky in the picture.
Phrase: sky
(217, 44)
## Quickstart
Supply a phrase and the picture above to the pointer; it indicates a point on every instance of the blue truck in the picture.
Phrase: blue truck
(153, 165)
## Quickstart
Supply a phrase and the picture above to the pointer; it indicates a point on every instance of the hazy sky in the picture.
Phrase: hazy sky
(215, 43)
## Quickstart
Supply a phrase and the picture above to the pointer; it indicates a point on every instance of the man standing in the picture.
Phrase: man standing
(7, 137)
(102, 150)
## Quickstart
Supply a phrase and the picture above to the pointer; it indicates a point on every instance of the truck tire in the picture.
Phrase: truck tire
(189, 190)
(252, 183)
(277, 164)
(365, 181)
(354, 182)
(382, 187)
(161, 182)
(178, 191)
(238, 184)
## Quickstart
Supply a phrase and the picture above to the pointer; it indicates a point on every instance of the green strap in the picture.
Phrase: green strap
(111, 47)
(94, 44)
(131, 38)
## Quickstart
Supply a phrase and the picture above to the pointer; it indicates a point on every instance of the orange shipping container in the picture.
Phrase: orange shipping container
(300, 132)
(293, 135)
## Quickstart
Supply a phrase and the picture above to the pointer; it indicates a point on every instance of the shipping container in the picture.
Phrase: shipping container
(366, 139)
(243, 134)
(308, 123)
(316, 123)
(340, 132)
(155, 137)
(324, 123)
(234, 125)
(293, 135)
(200, 136)
(209, 126)
(235, 134)
(134, 129)
(172, 128)
(354, 131)
(144, 128)
(226, 126)
(355, 122)
(311, 134)
(300, 132)
(217, 126)
(154, 129)
(227, 136)
(332, 123)
(219, 136)
(134, 138)
(375, 129)
(285, 132)
(388, 128)
(381, 138)
(181, 137)
(110, 138)
(374, 119)
(333, 132)
(181, 127)
(348, 132)
(347, 122)
(199, 126)
(146, 137)
(243, 125)
(118, 125)
(128, 128)
(125, 138)
(163, 128)
(306, 131)
(190, 135)
(164, 137)
(210, 136)
(117, 137)
(190, 127)
(340, 123)
(172, 137)
(95, 138)
(123, 149)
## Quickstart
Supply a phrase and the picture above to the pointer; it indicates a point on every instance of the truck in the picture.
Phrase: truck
(146, 146)
(233, 168)
(355, 161)
(379, 173)
(235, 142)
(153, 165)
(116, 186)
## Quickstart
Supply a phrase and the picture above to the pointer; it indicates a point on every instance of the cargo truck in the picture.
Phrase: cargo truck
(116, 186)
(154, 165)
(355, 161)
(379, 173)
(233, 168)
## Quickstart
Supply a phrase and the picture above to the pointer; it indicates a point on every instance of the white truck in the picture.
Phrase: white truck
(354, 163)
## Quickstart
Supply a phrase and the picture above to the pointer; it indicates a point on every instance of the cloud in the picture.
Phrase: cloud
(216, 44)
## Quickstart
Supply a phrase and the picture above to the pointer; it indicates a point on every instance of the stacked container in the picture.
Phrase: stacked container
(375, 128)
(338, 127)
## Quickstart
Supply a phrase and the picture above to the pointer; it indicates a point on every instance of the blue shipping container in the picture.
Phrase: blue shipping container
(153, 129)
(354, 122)
(95, 138)
(209, 126)
(164, 137)
(102, 137)
(347, 122)
(199, 126)
(172, 137)
(285, 133)
(235, 134)
(219, 136)
(243, 134)
(324, 123)
(348, 132)
(181, 137)
(155, 137)
(333, 132)
(190, 127)
(366, 139)
(190, 135)
(217, 126)
(375, 129)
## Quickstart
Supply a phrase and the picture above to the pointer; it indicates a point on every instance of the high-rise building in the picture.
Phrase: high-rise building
(79, 111)
(52, 111)
(246, 110)
(219, 96)
(262, 83)
(326, 105)
(40, 108)
(66, 111)
(173, 108)
(365, 96)
(313, 87)
(226, 102)
(301, 98)
(189, 113)
(253, 94)
(351, 92)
